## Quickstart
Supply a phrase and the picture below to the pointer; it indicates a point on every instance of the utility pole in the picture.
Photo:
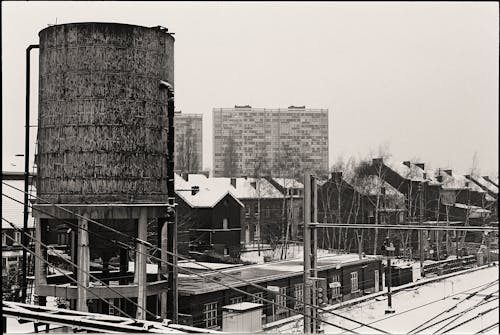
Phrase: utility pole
(420, 232)
(171, 222)
(314, 253)
(307, 253)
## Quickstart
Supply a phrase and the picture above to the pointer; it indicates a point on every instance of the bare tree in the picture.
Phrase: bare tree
(230, 158)
(187, 159)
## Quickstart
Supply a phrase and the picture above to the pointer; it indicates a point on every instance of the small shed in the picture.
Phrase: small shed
(243, 317)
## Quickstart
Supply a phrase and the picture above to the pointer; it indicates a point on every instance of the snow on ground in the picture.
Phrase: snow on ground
(417, 305)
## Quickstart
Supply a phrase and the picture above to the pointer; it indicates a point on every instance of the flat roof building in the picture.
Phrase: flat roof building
(280, 142)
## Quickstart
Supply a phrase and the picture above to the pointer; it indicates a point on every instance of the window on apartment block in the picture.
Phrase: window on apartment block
(210, 315)
(281, 301)
(298, 293)
(354, 282)
(258, 298)
(235, 300)
(336, 286)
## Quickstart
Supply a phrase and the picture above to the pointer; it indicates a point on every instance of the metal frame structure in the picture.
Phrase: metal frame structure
(92, 321)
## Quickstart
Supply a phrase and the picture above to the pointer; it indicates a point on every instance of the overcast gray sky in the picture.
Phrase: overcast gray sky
(421, 78)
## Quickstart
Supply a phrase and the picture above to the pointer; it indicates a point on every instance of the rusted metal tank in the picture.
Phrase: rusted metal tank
(102, 125)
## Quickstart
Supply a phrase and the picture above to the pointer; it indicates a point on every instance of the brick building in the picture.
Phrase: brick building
(347, 277)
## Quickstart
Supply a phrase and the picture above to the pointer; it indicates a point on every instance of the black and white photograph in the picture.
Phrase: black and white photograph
(261, 167)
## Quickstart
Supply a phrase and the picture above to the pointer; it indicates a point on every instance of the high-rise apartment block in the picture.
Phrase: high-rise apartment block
(274, 142)
(188, 142)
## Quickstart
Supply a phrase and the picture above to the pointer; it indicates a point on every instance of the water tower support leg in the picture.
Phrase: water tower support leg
(40, 266)
(163, 267)
(140, 264)
(83, 263)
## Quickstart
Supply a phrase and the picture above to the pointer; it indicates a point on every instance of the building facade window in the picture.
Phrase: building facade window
(210, 315)
(298, 293)
(281, 301)
(4, 238)
(235, 300)
(258, 298)
(225, 223)
(354, 282)
(336, 286)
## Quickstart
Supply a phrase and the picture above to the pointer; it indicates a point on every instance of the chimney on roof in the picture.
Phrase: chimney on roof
(194, 190)
(407, 163)
(421, 165)
(424, 175)
(449, 171)
(253, 184)
(185, 176)
(382, 190)
(337, 176)
(233, 182)
(439, 178)
(467, 184)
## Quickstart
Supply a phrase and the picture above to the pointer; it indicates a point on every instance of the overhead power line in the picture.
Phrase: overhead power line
(215, 270)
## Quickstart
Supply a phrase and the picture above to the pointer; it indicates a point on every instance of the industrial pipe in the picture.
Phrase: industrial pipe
(26, 173)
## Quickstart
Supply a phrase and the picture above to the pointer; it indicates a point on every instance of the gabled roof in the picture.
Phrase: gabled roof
(288, 183)
(372, 184)
(485, 183)
(458, 181)
(413, 172)
(246, 188)
(205, 198)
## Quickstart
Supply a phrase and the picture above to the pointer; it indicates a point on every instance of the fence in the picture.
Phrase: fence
(450, 265)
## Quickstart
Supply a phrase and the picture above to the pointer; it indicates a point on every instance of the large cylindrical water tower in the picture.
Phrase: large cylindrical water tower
(102, 114)
(102, 150)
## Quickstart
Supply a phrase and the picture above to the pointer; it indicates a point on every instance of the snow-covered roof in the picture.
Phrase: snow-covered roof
(487, 184)
(413, 172)
(458, 181)
(371, 185)
(205, 197)
(12, 210)
(245, 187)
(475, 211)
(288, 183)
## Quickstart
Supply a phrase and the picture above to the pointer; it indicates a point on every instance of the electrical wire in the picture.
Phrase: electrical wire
(428, 303)
(176, 255)
(167, 252)
(70, 278)
(85, 272)
(449, 309)
(217, 282)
